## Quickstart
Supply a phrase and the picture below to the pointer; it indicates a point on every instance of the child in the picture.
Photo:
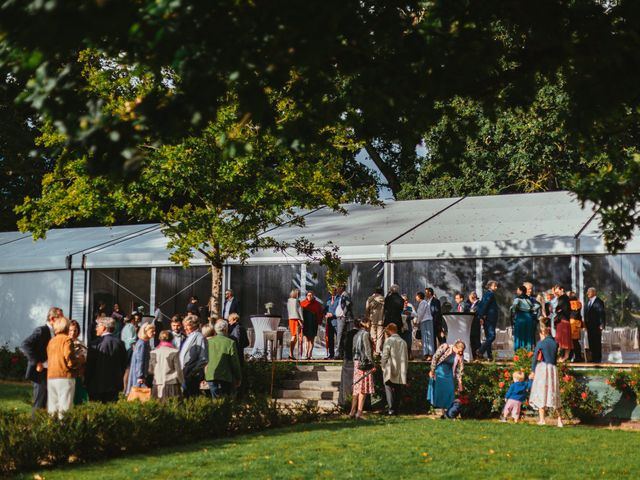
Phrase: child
(516, 394)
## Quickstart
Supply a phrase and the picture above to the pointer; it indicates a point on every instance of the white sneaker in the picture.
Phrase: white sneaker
(503, 420)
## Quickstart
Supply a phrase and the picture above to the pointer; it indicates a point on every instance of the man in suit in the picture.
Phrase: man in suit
(594, 317)
(488, 314)
(344, 317)
(393, 307)
(106, 363)
(230, 305)
(35, 349)
(435, 312)
(461, 304)
(331, 322)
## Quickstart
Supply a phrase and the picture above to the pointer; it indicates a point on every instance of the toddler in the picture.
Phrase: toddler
(516, 394)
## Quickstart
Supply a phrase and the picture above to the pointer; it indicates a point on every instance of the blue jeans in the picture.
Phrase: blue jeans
(426, 330)
(490, 336)
(219, 388)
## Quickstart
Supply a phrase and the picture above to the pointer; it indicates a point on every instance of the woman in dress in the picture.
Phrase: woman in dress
(523, 313)
(80, 349)
(447, 368)
(139, 369)
(312, 316)
(362, 369)
(294, 311)
(545, 390)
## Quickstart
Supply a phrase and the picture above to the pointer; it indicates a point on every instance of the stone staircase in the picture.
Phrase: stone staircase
(315, 384)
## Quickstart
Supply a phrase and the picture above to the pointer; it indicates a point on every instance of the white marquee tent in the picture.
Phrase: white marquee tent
(57, 271)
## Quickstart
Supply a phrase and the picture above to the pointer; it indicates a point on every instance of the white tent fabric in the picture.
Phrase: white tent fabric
(518, 225)
(495, 226)
(56, 251)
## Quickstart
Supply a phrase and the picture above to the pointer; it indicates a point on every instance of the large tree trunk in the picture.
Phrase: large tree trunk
(216, 289)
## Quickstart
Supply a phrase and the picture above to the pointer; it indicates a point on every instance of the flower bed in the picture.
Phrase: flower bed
(485, 385)
(627, 382)
(13, 364)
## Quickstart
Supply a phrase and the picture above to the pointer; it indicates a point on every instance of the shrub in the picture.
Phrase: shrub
(13, 363)
(485, 386)
(94, 430)
(627, 382)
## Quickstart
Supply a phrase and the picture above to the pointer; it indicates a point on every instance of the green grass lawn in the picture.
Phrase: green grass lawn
(383, 448)
(15, 396)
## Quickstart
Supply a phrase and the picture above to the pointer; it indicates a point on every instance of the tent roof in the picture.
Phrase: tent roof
(471, 227)
(498, 225)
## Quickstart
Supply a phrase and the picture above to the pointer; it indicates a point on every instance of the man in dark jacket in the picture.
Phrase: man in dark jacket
(594, 319)
(35, 349)
(488, 314)
(393, 307)
(106, 363)
(435, 310)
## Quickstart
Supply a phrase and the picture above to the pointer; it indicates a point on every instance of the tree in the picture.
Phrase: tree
(378, 69)
(208, 202)
(20, 171)
(515, 150)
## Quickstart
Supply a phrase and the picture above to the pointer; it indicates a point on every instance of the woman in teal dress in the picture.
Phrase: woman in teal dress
(447, 367)
(523, 314)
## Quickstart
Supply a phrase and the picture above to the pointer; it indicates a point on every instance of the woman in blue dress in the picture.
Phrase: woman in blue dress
(447, 367)
(523, 314)
(139, 370)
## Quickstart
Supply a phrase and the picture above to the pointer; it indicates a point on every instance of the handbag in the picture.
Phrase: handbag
(365, 366)
(139, 393)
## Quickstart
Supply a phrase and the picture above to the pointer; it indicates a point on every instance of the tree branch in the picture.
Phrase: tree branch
(389, 174)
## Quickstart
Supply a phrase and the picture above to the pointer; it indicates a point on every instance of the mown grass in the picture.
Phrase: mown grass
(383, 448)
(15, 396)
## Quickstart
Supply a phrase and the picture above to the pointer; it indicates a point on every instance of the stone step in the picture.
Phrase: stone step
(332, 376)
(308, 394)
(321, 404)
(299, 384)
(319, 368)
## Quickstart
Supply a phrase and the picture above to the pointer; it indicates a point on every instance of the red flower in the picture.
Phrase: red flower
(516, 358)
(607, 381)
(633, 383)
(584, 395)
(14, 360)
(501, 384)
(567, 378)
(624, 385)
(507, 375)
(529, 354)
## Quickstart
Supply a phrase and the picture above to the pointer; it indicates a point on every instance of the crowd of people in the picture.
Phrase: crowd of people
(387, 331)
(188, 355)
(426, 323)
(181, 356)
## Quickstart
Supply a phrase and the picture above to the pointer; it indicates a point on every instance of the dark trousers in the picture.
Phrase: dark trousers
(40, 392)
(104, 397)
(490, 336)
(392, 391)
(577, 351)
(192, 385)
(330, 338)
(474, 336)
(342, 327)
(219, 388)
(594, 334)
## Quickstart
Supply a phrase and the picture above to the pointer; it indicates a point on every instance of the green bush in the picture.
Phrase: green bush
(13, 363)
(94, 431)
(627, 382)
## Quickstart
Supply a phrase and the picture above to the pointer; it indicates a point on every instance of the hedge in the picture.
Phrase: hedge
(96, 431)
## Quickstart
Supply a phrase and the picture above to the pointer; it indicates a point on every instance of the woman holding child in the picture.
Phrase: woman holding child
(447, 367)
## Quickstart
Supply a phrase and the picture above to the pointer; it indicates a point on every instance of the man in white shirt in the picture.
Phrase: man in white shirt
(230, 304)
